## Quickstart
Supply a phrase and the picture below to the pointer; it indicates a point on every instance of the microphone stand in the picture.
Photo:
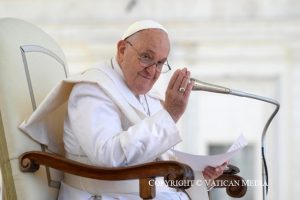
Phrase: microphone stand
(199, 85)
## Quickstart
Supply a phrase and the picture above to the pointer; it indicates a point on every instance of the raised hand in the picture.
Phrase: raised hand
(178, 93)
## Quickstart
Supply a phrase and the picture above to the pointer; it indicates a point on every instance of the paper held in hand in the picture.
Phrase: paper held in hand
(199, 162)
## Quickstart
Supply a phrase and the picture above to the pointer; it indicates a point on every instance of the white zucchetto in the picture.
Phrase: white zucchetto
(142, 25)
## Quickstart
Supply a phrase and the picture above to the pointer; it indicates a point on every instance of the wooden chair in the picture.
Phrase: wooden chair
(31, 64)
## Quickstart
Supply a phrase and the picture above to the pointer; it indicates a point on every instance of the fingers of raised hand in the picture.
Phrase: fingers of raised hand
(173, 79)
(181, 81)
(184, 87)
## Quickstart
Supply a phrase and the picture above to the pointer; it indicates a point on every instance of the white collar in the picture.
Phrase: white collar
(120, 82)
(115, 65)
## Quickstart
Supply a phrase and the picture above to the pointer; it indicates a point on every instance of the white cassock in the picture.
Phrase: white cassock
(107, 125)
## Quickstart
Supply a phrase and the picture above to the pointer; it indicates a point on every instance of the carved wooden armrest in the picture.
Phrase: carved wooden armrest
(235, 185)
(170, 170)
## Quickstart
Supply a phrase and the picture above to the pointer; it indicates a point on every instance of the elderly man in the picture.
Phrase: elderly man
(114, 119)
(99, 131)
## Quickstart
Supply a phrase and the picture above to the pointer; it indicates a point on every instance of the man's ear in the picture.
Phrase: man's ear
(121, 50)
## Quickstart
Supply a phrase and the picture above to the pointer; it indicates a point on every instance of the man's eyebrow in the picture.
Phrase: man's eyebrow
(149, 51)
(153, 54)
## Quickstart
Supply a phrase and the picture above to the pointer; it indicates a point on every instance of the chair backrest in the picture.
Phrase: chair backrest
(31, 64)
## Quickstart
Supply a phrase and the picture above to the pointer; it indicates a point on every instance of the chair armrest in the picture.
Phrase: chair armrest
(231, 169)
(235, 185)
(170, 170)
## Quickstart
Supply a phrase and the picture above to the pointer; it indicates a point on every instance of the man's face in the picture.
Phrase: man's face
(152, 44)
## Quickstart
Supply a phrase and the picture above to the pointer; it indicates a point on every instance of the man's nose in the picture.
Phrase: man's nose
(151, 69)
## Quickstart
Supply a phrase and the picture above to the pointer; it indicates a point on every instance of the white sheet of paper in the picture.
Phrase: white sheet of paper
(199, 162)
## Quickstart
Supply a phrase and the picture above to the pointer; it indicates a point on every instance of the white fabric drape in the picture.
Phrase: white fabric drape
(105, 125)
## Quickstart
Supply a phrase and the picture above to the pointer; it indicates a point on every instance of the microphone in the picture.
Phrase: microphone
(208, 87)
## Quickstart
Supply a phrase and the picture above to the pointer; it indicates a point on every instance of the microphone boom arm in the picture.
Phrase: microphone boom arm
(199, 85)
(265, 180)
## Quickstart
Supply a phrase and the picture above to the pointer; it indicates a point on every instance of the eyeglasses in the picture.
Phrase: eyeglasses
(146, 60)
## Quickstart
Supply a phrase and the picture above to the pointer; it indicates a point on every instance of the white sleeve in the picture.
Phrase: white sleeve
(96, 123)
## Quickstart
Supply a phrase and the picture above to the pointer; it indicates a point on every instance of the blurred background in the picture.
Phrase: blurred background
(249, 45)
